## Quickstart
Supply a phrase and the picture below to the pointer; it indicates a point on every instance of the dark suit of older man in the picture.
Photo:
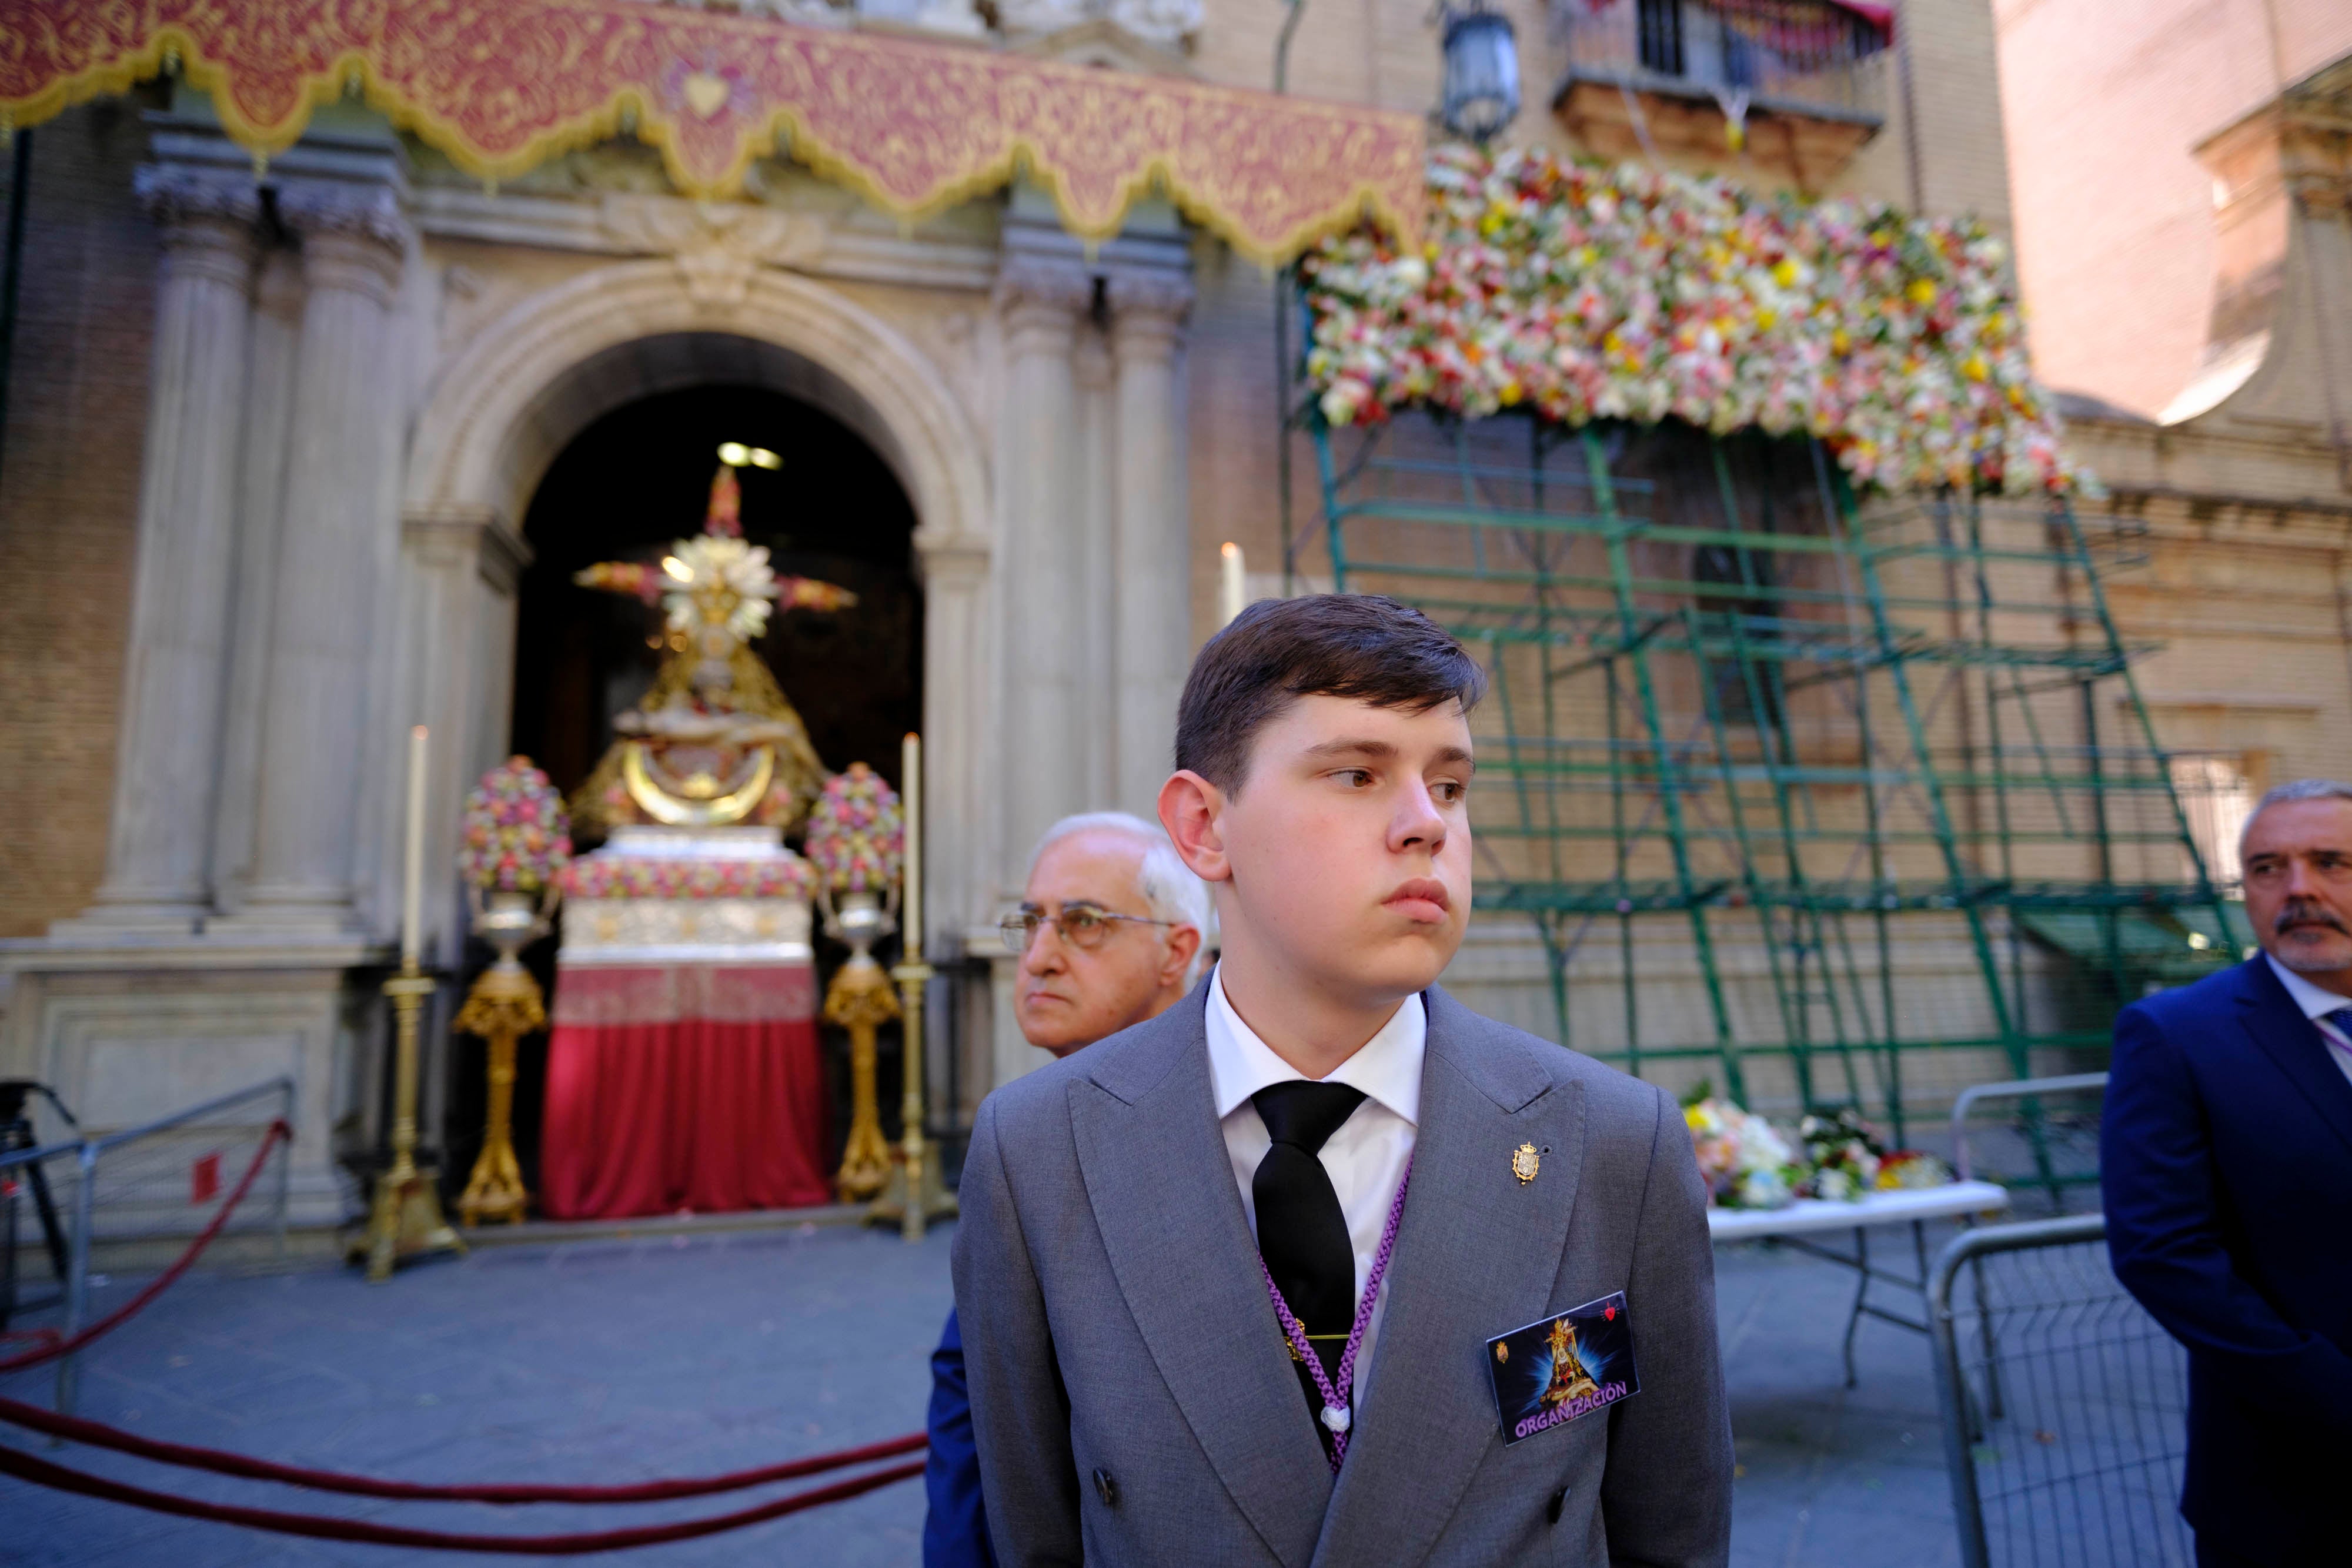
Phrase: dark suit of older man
(2226, 1171)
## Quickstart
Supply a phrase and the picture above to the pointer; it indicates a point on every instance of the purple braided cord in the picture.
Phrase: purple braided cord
(1297, 1335)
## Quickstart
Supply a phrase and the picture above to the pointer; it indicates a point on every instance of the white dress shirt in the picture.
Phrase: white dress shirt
(1365, 1158)
(2315, 1003)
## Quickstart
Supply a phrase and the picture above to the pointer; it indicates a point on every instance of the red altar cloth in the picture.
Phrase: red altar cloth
(683, 1086)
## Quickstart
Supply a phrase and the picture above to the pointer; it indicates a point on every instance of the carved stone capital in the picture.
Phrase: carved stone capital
(1136, 293)
(353, 236)
(1041, 298)
(1148, 312)
(208, 220)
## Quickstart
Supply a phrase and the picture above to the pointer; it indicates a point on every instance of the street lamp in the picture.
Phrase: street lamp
(1482, 71)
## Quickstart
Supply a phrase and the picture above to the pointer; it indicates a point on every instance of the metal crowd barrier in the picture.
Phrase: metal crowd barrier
(160, 1180)
(2064, 1406)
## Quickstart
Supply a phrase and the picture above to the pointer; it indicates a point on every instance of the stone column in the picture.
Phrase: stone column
(1094, 511)
(261, 486)
(335, 533)
(175, 665)
(1042, 299)
(1154, 527)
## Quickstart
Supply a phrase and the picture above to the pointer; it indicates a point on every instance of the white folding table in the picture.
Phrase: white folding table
(1807, 1218)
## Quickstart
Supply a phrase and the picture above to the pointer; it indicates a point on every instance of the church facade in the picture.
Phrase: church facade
(272, 439)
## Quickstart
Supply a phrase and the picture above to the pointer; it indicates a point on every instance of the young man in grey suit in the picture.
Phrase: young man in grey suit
(1319, 1266)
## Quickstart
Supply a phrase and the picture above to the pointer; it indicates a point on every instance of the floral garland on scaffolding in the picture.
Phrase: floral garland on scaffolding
(1585, 292)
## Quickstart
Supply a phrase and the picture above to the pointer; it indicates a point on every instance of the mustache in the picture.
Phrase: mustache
(2305, 912)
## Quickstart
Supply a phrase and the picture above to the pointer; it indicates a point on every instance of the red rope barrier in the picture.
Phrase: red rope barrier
(98, 1434)
(156, 1286)
(24, 1467)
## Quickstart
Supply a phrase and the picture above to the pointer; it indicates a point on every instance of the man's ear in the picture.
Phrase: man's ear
(1182, 943)
(1190, 807)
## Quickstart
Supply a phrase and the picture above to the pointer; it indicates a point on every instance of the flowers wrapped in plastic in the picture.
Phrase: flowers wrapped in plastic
(1841, 1153)
(516, 836)
(1745, 1160)
(1584, 292)
(856, 837)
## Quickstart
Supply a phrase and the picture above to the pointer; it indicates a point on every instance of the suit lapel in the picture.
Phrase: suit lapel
(1477, 1253)
(1161, 1187)
(2292, 1043)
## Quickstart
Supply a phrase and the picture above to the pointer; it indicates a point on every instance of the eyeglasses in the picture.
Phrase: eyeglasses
(1078, 926)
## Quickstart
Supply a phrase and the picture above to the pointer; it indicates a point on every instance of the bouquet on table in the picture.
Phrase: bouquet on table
(1834, 1155)
(1746, 1161)
(516, 838)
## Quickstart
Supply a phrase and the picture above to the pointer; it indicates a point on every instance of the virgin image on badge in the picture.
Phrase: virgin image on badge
(1559, 1368)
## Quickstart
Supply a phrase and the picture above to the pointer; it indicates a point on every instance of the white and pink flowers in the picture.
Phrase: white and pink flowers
(516, 838)
(1585, 293)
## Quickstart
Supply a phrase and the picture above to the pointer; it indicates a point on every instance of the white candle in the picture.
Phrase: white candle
(1230, 598)
(910, 776)
(412, 903)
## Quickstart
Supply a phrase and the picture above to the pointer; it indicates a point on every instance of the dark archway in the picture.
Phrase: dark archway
(638, 479)
(624, 488)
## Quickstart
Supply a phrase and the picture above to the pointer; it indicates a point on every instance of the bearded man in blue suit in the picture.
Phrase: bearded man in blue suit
(2226, 1155)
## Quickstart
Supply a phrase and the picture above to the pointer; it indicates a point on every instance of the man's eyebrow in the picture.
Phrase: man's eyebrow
(1347, 747)
(1455, 754)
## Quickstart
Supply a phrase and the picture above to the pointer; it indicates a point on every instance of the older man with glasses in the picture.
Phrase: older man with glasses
(1109, 931)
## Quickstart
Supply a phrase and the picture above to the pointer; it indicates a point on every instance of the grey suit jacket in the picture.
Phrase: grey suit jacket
(1130, 1392)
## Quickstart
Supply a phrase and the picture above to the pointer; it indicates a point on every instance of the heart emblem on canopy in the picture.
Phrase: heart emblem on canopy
(706, 94)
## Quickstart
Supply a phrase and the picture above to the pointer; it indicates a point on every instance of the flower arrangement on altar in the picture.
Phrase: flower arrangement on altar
(1748, 1163)
(856, 837)
(1583, 292)
(660, 877)
(517, 838)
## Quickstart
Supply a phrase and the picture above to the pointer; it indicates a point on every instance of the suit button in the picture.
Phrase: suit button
(1106, 1488)
(1558, 1502)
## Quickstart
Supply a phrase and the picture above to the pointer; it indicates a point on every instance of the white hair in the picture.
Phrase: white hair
(1167, 885)
(2296, 789)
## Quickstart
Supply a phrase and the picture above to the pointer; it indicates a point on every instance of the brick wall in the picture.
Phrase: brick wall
(69, 504)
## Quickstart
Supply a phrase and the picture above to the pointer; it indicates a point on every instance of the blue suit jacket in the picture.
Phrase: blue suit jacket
(2226, 1156)
(955, 1530)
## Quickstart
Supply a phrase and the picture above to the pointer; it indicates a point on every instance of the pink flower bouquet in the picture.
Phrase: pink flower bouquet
(857, 838)
(516, 838)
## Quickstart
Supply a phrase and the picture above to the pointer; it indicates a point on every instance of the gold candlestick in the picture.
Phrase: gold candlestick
(914, 1196)
(406, 1219)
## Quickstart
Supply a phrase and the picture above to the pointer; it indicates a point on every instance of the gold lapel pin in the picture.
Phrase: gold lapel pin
(1525, 1163)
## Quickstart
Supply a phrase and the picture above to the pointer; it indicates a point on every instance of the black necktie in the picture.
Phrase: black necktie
(1301, 1232)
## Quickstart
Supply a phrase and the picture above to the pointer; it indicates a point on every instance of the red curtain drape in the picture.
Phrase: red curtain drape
(683, 1087)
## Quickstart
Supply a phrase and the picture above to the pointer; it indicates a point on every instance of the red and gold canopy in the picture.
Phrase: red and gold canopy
(913, 126)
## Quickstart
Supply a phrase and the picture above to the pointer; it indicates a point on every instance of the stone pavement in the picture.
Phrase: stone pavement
(674, 1355)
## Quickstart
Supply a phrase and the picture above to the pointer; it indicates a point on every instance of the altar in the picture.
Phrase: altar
(683, 1070)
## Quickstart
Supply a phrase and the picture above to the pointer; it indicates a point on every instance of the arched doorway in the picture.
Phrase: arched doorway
(630, 483)
(536, 379)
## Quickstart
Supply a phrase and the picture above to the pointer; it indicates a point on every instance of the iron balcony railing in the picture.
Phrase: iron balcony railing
(1788, 56)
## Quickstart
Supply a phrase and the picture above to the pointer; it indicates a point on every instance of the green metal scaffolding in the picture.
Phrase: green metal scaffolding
(1793, 787)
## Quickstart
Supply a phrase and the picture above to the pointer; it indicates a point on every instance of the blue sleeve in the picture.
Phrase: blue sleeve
(2164, 1235)
(955, 1530)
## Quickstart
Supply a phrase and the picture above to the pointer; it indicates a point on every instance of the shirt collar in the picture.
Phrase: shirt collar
(2315, 1001)
(1387, 1068)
